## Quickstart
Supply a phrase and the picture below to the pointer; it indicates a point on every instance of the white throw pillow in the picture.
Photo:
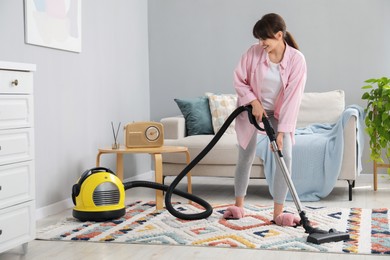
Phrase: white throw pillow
(322, 107)
(221, 106)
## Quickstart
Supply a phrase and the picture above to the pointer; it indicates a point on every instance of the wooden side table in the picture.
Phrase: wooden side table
(156, 153)
(376, 166)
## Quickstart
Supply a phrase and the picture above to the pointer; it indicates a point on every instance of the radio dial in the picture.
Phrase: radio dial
(152, 133)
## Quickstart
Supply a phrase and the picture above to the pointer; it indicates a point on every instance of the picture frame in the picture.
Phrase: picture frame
(53, 23)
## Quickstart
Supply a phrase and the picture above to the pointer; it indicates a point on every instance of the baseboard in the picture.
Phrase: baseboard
(60, 206)
(147, 176)
(53, 209)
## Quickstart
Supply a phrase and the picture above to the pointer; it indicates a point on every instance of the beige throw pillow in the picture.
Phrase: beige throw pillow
(221, 106)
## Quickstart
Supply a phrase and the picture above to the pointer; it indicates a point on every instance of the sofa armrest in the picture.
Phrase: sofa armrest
(348, 169)
(174, 127)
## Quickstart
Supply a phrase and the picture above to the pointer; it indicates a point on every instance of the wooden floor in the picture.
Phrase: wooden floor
(214, 190)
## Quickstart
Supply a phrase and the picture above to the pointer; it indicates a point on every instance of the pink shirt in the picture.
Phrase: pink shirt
(248, 78)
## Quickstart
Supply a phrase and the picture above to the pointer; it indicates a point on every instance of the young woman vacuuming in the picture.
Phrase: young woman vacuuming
(270, 76)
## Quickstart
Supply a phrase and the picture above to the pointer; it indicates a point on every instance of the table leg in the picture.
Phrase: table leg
(158, 179)
(189, 179)
(98, 159)
(376, 166)
(375, 176)
(119, 166)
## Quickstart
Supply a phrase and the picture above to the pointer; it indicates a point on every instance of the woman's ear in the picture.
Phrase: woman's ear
(279, 35)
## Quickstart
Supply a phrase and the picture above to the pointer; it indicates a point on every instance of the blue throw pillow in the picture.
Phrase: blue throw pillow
(196, 112)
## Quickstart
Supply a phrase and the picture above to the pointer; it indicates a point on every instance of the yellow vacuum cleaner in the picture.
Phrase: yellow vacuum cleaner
(99, 195)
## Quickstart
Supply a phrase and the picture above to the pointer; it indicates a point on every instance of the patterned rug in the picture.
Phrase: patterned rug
(368, 229)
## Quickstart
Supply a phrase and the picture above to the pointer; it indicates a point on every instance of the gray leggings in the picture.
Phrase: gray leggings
(245, 161)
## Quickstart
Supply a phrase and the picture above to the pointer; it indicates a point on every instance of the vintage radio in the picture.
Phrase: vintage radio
(144, 134)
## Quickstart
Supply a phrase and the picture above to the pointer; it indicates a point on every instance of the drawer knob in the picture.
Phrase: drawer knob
(15, 82)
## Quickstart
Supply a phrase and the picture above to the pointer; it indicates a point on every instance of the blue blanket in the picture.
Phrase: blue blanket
(317, 156)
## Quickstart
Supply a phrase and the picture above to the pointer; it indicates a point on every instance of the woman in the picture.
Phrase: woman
(270, 76)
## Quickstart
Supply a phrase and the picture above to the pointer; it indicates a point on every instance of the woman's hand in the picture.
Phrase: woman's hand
(257, 110)
(279, 142)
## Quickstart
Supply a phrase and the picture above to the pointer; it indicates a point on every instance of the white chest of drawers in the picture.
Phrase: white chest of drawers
(17, 175)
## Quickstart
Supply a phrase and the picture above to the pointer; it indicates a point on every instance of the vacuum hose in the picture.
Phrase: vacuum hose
(316, 235)
(171, 188)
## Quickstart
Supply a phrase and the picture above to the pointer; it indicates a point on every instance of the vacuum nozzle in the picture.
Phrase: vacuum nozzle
(319, 236)
(331, 236)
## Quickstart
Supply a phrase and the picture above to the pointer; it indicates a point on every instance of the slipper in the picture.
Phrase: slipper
(287, 219)
(234, 212)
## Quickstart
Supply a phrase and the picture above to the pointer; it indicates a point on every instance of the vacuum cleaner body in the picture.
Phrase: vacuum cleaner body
(98, 196)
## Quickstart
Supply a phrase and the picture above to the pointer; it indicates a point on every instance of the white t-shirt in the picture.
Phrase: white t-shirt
(271, 87)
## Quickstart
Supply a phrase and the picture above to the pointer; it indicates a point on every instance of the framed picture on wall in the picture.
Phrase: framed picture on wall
(53, 23)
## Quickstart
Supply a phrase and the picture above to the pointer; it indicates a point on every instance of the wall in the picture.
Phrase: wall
(195, 45)
(193, 48)
(77, 95)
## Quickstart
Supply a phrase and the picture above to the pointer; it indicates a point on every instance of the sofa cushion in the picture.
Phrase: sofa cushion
(221, 106)
(225, 150)
(324, 107)
(196, 112)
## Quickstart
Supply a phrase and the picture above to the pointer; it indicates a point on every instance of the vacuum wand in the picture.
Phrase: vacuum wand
(316, 236)
(279, 156)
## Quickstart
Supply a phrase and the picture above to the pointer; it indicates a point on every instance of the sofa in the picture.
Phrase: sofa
(323, 107)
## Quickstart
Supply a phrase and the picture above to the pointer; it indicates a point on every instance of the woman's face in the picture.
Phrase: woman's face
(271, 44)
